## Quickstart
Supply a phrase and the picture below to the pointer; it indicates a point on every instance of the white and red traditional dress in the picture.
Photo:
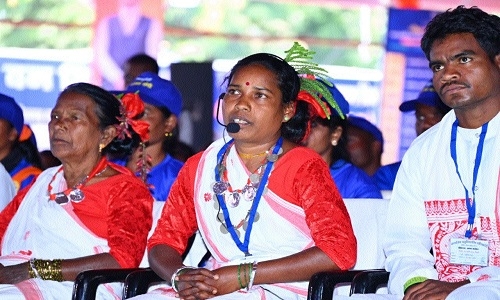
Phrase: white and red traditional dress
(114, 217)
(299, 209)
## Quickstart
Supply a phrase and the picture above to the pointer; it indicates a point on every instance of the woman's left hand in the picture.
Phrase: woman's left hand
(197, 284)
(228, 279)
(14, 274)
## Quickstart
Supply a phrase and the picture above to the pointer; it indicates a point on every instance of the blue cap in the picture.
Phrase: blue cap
(427, 96)
(157, 91)
(365, 125)
(339, 98)
(11, 112)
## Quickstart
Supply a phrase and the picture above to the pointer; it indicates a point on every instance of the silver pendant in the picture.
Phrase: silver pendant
(234, 199)
(76, 195)
(254, 178)
(223, 228)
(249, 192)
(216, 203)
(219, 187)
(272, 157)
(255, 219)
(61, 198)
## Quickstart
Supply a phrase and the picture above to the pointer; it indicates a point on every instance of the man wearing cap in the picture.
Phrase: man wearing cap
(429, 110)
(163, 104)
(365, 144)
(19, 158)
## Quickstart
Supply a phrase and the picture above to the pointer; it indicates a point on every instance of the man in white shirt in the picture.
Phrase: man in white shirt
(442, 238)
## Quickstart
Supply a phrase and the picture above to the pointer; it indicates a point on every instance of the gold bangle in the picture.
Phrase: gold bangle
(32, 271)
(48, 269)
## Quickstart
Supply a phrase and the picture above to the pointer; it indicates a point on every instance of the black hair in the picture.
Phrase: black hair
(340, 151)
(108, 113)
(147, 61)
(484, 27)
(289, 85)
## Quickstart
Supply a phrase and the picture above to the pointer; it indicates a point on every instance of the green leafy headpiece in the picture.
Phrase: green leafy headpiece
(313, 80)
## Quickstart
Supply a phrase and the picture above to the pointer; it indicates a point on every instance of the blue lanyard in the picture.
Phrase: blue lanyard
(471, 204)
(230, 227)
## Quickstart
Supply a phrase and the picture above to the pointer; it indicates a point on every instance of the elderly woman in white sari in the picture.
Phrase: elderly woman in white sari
(267, 208)
(87, 213)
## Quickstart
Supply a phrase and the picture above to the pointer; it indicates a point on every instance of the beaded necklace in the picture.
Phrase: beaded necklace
(220, 187)
(75, 194)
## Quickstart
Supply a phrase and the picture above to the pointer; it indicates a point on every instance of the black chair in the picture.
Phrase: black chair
(86, 283)
(322, 284)
(139, 281)
(367, 282)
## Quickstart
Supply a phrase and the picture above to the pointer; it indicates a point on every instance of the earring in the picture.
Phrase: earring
(168, 134)
(101, 146)
(286, 118)
(334, 143)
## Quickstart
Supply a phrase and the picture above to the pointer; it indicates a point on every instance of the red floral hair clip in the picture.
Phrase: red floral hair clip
(132, 107)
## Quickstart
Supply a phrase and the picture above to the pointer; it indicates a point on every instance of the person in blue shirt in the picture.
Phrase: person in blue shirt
(18, 153)
(328, 138)
(163, 104)
(429, 110)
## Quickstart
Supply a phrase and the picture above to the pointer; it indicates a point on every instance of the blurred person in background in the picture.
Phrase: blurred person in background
(328, 139)
(429, 110)
(163, 103)
(18, 152)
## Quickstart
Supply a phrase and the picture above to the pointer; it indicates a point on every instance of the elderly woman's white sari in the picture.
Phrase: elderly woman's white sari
(49, 231)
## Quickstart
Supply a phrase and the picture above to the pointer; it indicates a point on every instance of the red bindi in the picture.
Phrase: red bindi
(247, 83)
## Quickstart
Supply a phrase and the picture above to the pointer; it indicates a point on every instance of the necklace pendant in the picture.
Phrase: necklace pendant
(76, 195)
(219, 187)
(254, 178)
(223, 229)
(234, 199)
(272, 157)
(249, 192)
(61, 198)
(216, 203)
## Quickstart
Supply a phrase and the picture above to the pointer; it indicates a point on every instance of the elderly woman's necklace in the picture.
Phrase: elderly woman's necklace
(75, 194)
(243, 246)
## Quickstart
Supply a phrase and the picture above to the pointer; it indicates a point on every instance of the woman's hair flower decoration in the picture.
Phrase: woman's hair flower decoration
(313, 81)
(130, 111)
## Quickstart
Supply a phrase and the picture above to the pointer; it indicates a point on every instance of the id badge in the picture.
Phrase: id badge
(469, 252)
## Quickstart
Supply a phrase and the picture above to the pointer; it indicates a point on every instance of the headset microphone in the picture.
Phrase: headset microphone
(231, 127)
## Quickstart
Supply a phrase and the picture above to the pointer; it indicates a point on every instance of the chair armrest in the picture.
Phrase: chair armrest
(138, 282)
(86, 283)
(367, 282)
(322, 284)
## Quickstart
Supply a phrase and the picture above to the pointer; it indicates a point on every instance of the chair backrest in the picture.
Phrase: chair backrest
(368, 218)
(157, 208)
(368, 221)
(197, 249)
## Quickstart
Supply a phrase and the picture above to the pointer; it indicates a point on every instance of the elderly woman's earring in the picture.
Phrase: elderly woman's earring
(286, 118)
(334, 143)
(101, 146)
(168, 134)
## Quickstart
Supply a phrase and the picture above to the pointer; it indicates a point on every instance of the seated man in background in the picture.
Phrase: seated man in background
(429, 110)
(365, 144)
